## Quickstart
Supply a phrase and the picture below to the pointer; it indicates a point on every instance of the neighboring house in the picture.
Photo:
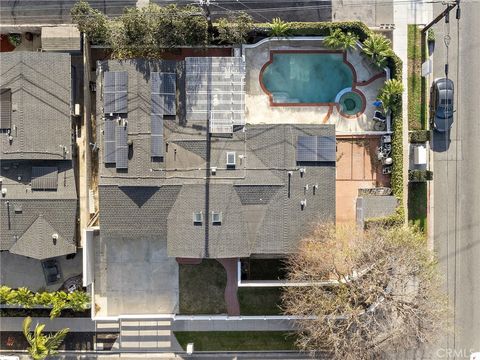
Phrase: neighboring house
(242, 191)
(38, 193)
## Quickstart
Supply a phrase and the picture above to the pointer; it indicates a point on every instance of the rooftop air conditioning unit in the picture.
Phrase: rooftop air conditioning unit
(231, 159)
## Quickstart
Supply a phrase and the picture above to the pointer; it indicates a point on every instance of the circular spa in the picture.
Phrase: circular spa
(351, 103)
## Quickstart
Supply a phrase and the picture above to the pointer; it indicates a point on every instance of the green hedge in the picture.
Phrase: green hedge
(319, 28)
(420, 175)
(393, 220)
(57, 300)
(419, 136)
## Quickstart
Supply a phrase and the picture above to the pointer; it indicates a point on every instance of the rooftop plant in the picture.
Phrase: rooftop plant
(279, 28)
(341, 40)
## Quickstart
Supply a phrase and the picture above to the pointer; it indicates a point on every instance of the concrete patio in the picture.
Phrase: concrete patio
(135, 277)
(17, 271)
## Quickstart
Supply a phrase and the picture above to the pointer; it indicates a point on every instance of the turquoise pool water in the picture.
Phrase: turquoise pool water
(306, 77)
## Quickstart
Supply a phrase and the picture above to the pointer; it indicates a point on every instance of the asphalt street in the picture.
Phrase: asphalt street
(457, 181)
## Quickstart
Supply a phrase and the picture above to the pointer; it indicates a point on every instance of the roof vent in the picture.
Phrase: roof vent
(4, 191)
(302, 171)
(303, 204)
(216, 218)
(213, 170)
(231, 159)
(197, 218)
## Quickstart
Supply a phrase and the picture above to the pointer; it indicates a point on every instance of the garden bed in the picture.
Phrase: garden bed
(260, 300)
(15, 340)
(417, 204)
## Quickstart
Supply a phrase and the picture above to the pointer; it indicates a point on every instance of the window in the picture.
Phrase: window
(5, 109)
(197, 218)
(216, 218)
(231, 158)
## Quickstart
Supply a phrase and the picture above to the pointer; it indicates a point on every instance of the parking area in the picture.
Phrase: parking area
(357, 167)
(17, 271)
(134, 276)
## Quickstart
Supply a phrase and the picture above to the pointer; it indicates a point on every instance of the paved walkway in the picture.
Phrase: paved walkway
(405, 13)
(231, 298)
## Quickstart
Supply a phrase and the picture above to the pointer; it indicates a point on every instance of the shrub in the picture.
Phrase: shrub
(419, 136)
(15, 39)
(57, 300)
(279, 28)
(341, 40)
(391, 95)
(420, 175)
(378, 48)
(234, 29)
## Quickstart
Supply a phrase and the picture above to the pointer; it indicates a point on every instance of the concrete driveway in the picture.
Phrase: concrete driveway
(135, 276)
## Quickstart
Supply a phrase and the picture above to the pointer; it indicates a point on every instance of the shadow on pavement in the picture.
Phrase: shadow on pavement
(440, 141)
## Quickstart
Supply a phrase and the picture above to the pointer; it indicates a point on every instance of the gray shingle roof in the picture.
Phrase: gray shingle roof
(259, 201)
(30, 217)
(41, 121)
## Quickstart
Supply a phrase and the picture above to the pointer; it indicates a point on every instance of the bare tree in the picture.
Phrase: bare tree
(370, 291)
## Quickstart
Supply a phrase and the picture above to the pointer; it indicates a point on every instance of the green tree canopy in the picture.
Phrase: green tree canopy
(91, 22)
(234, 28)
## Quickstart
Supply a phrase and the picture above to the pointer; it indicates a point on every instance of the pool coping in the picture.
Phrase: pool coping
(354, 86)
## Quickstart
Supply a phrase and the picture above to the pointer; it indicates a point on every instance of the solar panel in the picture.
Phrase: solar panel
(316, 149)
(326, 148)
(5, 108)
(157, 104)
(157, 135)
(121, 149)
(169, 83)
(163, 93)
(307, 148)
(115, 92)
(44, 178)
(170, 104)
(109, 141)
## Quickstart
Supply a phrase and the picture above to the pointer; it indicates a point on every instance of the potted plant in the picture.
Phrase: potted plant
(15, 39)
(431, 41)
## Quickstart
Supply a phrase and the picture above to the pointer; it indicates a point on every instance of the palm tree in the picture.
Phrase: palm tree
(279, 28)
(340, 40)
(40, 345)
(378, 48)
(391, 95)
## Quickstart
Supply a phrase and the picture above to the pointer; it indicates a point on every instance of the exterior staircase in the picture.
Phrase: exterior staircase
(143, 335)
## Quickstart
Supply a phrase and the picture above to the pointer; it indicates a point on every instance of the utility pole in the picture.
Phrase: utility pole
(444, 14)
(205, 4)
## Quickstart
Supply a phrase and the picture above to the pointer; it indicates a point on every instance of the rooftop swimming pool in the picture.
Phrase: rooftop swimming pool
(306, 78)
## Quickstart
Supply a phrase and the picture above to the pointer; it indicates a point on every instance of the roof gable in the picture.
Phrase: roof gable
(42, 241)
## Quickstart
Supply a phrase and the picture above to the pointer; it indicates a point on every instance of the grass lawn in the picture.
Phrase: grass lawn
(237, 340)
(202, 288)
(417, 106)
(266, 269)
(259, 301)
(417, 205)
